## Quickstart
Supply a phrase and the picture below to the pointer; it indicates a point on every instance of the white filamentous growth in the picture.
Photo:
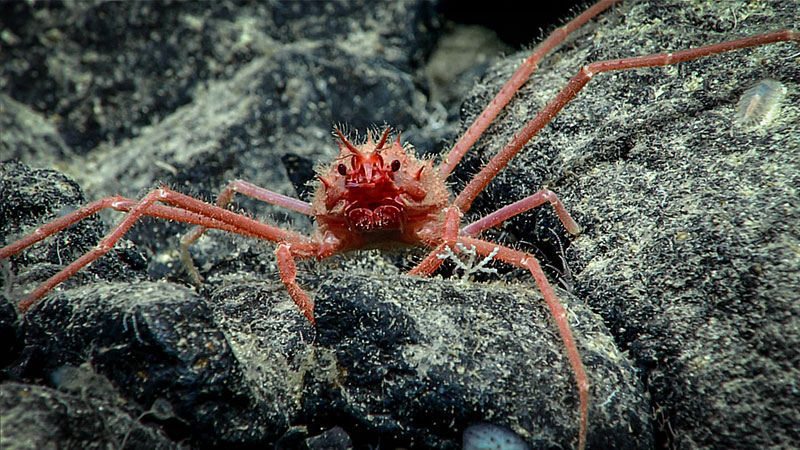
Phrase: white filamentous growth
(760, 104)
(469, 266)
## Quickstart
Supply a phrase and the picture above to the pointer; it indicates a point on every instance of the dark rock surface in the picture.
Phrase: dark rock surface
(50, 418)
(685, 278)
(394, 359)
(689, 250)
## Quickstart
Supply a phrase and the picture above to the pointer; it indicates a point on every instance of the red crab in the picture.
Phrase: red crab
(377, 194)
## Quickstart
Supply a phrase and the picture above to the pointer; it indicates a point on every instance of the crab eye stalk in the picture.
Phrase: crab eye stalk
(342, 169)
(395, 165)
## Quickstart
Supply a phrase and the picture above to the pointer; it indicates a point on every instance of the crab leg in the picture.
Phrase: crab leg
(524, 260)
(450, 235)
(432, 261)
(513, 84)
(102, 248)
(520, 259)
(288, 270)
(519, 207)
(57, 225)
(118, 203)
(251, 227)
(188, 210)
(499, 161)
(225, 197)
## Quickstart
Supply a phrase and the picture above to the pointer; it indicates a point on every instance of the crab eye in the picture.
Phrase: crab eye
(342, 169)
(395, 165)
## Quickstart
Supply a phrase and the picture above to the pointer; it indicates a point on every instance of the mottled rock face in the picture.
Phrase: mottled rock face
(412, 363)
(688, 216)
(685, 277)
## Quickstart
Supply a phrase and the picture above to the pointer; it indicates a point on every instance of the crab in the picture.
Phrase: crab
(377, 194)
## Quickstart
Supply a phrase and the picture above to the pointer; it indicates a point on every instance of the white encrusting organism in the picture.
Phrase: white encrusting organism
(470, 265)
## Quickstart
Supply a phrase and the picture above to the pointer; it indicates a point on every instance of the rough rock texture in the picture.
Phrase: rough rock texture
(50, 418)
(685, 278)
(394, 359)
(690, 249)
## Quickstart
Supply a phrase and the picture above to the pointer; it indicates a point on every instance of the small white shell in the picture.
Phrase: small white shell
(485, 436)
(760, 104)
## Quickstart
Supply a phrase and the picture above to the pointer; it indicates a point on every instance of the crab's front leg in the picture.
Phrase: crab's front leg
(452, 235)
(527, 261)
(288, 271)
(453, 216)
(519, 207)
(223, 199)
(449, 234)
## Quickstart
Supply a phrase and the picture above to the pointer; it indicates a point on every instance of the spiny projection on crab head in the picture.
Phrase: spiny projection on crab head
(374, 200)
(377, 193)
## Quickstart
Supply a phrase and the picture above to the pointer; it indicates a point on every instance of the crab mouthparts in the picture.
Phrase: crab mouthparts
(386, 217)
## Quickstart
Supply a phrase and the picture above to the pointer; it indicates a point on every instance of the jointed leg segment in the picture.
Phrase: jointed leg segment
(501, 159)
(449, 236)
(224, 198)
(521, 259)
(102, 248)
(183, 209)
(512, 86)
(527, 203)
(288, 270)
(524, 260)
